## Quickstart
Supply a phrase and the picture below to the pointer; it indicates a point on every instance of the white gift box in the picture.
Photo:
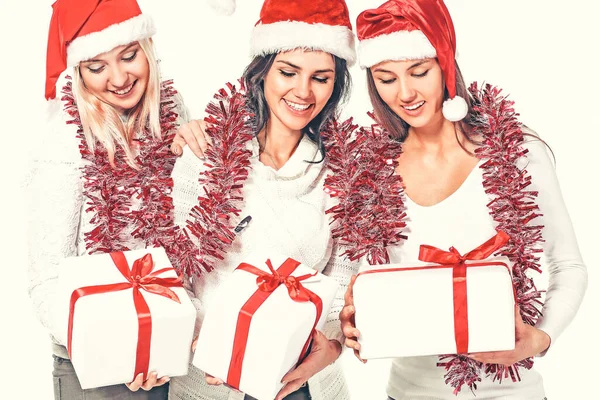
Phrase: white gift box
(411, 312)
(278, 331)
(105, 325)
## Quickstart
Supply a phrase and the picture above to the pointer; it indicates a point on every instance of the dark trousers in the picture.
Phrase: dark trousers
(300, 394)
(389, 398)
(67, 387)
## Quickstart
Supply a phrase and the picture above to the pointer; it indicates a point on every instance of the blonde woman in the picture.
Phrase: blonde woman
(107, 144)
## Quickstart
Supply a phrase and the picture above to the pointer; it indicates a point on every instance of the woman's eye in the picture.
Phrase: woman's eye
(95, 69)
(320, 79)
(287, 74)
(422, 74)
(130, 56)
(387, 81)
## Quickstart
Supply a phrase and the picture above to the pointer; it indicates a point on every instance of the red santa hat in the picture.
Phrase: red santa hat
(290, 24)
(82, 29)
(412, 29)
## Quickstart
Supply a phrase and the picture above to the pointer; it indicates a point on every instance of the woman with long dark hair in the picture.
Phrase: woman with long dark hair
(261, 184)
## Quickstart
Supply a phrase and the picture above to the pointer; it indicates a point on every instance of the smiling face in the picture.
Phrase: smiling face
(298, 86)
(118, 77)
(413, 89)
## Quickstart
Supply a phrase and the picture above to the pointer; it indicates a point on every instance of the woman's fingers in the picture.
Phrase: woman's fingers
(192, 134)
(137, 383)
(150, 382)
(211, 380)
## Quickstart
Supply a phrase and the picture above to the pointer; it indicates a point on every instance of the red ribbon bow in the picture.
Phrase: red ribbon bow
(433, 254)
(140, 277)
(267, 283)
(459, 274)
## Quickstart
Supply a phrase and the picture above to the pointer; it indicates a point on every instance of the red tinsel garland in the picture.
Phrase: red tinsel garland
(109, 190)
(228, 161)
(513, 208)
(363, 167)
(370, 213)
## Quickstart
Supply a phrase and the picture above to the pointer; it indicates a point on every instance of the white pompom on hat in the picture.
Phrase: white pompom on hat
(409, 30)
(223, 7)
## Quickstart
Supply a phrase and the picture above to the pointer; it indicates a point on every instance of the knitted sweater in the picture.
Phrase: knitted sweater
(57, 218)
(463, 220)
(288, 217)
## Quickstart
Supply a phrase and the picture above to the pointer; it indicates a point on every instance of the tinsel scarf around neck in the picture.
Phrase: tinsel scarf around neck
(110, 190)
(370, 215)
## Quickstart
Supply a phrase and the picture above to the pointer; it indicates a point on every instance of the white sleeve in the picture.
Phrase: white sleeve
(341, 269)
(53, 191)
(186, 190)
(181, 110)
(567, 273)
(188, 284)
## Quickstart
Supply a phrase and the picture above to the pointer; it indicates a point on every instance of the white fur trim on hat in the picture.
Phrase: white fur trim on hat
(401, 45)
(222, 7)
(289, 35)
(455, 109)
(85, 47)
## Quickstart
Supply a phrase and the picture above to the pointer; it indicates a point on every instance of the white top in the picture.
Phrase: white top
(57, 219)
(287, 207)
(463, 220)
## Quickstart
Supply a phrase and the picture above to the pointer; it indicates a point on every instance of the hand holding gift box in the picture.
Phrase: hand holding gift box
(463, 303)
(260, 322)
(120, 322)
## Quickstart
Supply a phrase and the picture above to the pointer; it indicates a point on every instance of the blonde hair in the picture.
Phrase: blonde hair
(102, 123)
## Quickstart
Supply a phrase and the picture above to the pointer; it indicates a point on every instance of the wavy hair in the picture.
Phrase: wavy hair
(254, 76)
(398, 128)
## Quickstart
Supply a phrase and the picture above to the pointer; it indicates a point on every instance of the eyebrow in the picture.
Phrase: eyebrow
(319, 71)
(121, 52)
(128, 47)
(420, 62)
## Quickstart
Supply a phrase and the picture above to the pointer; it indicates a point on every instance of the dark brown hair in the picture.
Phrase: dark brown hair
(253, 79)
(398, 128)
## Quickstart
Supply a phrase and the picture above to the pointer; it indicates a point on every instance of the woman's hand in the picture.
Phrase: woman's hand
(194, 135)
(529, 341)
(148, 384)
(211, 380)
(323, 352)
(347, 319)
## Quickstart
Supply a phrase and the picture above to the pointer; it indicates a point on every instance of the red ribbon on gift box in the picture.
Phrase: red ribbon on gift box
(140, 277)
(267, 283)
(453, 259)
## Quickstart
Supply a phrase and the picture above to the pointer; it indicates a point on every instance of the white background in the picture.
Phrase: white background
(541, 52)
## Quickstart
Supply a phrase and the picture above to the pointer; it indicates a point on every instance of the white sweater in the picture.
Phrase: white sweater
(463, 220)
(288, 217)
(57, 219)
